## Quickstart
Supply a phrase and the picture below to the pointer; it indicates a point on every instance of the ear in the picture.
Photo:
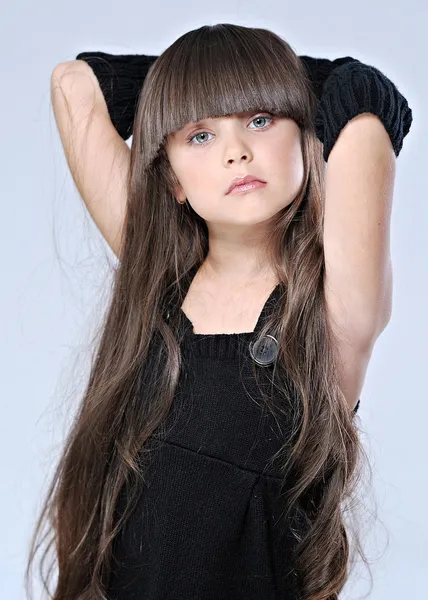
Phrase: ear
(174, 185)
(179, 194)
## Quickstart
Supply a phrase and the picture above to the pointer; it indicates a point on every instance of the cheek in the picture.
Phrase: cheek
(297, 169)
(288, 173)
(288, 165)
(197, 177)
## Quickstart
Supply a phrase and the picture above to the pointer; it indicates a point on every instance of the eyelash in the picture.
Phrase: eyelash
(263, 116)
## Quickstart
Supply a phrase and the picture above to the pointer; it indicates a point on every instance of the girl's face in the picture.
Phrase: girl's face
(205, 157)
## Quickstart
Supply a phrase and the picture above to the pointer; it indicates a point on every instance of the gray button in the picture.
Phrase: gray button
(265, 350)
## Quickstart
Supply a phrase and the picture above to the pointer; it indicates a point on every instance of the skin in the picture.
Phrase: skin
(221, 148)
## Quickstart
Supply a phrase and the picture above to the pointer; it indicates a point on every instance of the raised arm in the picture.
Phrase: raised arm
(97, 156)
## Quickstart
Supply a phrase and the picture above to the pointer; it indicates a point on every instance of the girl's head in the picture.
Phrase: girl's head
(223, 101)
(236, 79)
(248, 88)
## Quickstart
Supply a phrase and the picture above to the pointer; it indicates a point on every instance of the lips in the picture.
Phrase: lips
(241, 180)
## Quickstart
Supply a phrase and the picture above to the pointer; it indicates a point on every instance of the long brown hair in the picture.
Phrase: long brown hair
(212, 71)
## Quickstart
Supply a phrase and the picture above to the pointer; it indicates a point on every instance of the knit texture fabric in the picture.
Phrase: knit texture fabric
(208, 523)
(121, 79)
(319, 69)
(355, 88)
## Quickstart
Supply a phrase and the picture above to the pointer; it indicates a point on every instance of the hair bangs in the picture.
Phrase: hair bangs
(222, 70)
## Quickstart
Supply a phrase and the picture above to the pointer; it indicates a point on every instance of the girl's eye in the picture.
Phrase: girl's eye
(189, 141)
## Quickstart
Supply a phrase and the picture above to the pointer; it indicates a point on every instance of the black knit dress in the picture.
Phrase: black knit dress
(207, 526)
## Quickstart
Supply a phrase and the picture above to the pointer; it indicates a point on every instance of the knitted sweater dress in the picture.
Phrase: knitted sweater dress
(207, 526)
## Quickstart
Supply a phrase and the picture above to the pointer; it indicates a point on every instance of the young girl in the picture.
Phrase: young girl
(215, 454)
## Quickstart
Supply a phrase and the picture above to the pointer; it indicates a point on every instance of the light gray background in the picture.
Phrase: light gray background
(55, 272)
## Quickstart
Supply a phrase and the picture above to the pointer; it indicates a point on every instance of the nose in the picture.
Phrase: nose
(237, 146)
(237, 149)
(238, 157)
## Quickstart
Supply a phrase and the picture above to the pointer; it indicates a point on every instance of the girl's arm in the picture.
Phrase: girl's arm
(98, 158)
(360, 178)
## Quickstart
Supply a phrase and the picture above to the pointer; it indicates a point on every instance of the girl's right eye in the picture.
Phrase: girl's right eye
(189, 141)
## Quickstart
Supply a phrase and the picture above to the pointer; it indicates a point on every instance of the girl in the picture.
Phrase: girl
(215, 453)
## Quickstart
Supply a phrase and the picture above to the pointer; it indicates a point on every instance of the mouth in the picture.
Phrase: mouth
(247, 183)
(242, 188)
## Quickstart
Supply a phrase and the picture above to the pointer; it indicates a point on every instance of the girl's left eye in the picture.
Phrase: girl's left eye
(189, 141)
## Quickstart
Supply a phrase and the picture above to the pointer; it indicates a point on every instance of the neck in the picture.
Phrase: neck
(236, 273)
